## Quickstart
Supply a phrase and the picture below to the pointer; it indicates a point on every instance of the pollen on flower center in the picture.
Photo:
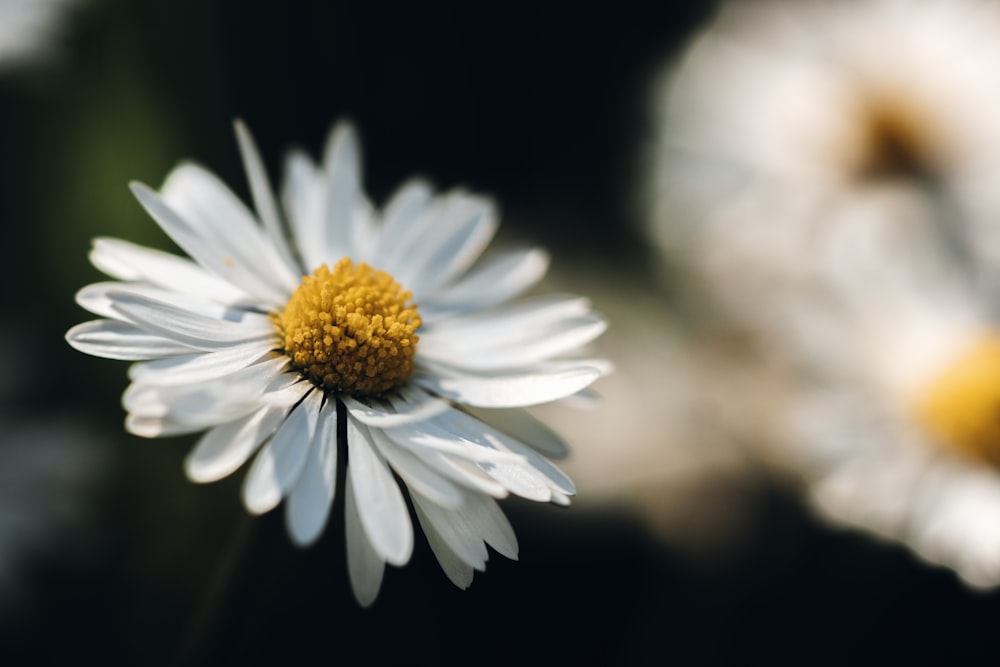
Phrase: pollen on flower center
(350, 329)
(961, 407)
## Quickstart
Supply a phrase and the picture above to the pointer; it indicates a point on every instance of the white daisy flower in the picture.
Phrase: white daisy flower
(379, 339)
(824, 166)
(895, 417)
(779, 104)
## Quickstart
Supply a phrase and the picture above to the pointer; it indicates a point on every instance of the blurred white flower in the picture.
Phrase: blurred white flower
(287, 343)
(827, 171)
(28, 28)
(780, 105)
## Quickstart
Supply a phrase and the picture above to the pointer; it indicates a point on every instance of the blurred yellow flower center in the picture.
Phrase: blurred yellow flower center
(350, 329)
(962, 406)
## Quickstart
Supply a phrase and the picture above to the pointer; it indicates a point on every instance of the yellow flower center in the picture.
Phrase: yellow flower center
(961, 407)
(350, 329)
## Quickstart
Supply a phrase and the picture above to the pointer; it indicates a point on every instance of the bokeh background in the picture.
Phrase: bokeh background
(684, 552)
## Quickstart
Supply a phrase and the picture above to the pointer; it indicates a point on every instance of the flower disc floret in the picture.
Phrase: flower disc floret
(962, 406)
(351, 329)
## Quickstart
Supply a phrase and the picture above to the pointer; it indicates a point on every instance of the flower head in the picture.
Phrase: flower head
(824, 165)
(779, 107)
(327, 338)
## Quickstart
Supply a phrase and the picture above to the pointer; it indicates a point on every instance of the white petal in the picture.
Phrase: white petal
(309, 503)
(476, 221)
(158, 427)
(186, 411)
(263, 197)
(457, 570)
(466, 474)
(428, 436)
(223, 449)
(279, 464)
(400, 213)
(520, 424)
(520, 480)
(959, 524)
(200, 407)
(128, 261)
(190, 328)
(560, 498)
(342, 167)
(162, 423)
(521, 348)
(415, 473)
(302, 196)
(454, 459)
(503, 321)
(217, 401)
(219, 250)
(557, 478)
(112, 339)
(420, 406)
(493, 280)
(217, 215)
(281, 393)
(94, 297)
(527, 475)
(602, 366)
(519, 389)
(459, 232)
(200, 366)
(381, 506)
(454, 530)
(102, 298)
(367, 230)
(485, 514)
(364, 565)
(244, 385)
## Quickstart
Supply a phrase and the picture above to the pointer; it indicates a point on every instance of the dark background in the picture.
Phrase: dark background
(542, 106)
